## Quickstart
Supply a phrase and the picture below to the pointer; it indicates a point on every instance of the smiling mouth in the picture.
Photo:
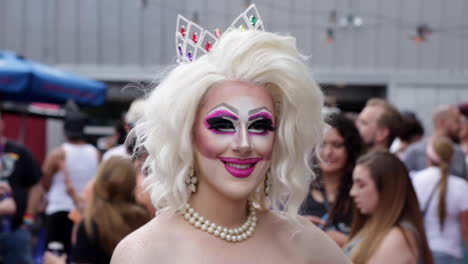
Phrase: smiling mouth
(240, 168)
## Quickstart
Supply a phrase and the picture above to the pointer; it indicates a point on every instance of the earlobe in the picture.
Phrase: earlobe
(382, 134)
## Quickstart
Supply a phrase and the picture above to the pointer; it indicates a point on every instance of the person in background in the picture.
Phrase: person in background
(81, 161)
(446, 121)
(379, 124)
(463, 134)
(443, 200)
(329, 205)
(134, 113)
(410, 133)
(387, 224)
(112, 213)
(20, 174)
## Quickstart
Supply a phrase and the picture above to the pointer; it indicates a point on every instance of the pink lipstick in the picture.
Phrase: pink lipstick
(240, 168)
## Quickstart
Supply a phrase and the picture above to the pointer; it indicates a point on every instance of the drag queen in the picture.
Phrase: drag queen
(229, 135)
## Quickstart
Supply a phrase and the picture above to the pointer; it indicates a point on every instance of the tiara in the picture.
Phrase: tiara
(192, 41)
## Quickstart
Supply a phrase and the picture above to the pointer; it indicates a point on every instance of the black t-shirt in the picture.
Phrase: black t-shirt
(22, 172)
(315, 208)
(88, 249)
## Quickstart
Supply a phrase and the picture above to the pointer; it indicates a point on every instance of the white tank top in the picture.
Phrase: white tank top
(81, 160)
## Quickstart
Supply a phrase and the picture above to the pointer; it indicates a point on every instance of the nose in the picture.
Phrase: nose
(242, 142)
(352, 192)
(326, 150)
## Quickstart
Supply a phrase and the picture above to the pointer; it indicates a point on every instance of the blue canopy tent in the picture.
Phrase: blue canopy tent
(27, 81)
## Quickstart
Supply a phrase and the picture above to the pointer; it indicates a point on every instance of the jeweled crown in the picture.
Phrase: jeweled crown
(192, 41)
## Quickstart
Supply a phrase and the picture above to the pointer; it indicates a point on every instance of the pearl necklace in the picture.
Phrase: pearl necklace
(232, 235)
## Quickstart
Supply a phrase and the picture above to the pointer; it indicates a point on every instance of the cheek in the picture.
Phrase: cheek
(264, 144)
(209, 144)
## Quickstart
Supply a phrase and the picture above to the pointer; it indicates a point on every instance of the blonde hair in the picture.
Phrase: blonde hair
(256, 57)
(443, 148)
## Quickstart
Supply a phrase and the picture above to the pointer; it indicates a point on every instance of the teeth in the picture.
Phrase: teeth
(239, 166)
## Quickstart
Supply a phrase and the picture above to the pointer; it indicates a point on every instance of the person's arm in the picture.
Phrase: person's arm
(340, 238)
(7, 206)
(464, 226)
(395, 242)
(51, 167)
(7, 203)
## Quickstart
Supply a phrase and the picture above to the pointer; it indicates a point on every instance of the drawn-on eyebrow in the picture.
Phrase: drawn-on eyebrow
(232, 108)
(256, 110)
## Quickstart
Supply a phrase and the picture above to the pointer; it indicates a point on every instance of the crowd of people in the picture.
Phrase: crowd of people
(233, 159)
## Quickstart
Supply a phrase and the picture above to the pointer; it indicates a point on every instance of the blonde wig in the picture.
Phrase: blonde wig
(256, 57)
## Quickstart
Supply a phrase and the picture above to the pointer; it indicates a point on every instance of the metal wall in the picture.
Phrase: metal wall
(141, 32)
(129, 40)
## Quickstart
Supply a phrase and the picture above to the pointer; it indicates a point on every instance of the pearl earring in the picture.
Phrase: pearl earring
(191, 180)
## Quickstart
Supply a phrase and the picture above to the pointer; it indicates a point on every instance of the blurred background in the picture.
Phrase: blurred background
(413, 53)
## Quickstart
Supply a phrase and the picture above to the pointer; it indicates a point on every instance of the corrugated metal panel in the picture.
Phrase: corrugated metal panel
(124, 32)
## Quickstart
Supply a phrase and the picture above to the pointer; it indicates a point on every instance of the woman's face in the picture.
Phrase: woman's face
(234, 138)
(364, 191)
(333, 152)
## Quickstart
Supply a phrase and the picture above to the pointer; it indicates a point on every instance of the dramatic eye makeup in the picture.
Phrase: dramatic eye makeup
(261, 123)
(221, 121)
(226, 121)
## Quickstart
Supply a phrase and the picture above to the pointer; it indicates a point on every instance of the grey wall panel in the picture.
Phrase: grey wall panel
(464, 39)
(429, 52)
(129, 20)
(408, 50)
(114, 33)
(67, 24)
(345, 44)
(109, 33)
(366, 37)
(322, 53)
(3, 20)
(34, 29)
(151, 34)
(407, 95)
(450, 47)
(88, 33)
(14, 26)
(388, 36)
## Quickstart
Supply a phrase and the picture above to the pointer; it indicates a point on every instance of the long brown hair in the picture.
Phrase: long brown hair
(113, 208)
(397, 203)
(443, 147)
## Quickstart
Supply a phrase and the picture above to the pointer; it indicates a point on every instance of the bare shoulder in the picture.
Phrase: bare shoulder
(308, 241)
(396, 240)
(144, 245)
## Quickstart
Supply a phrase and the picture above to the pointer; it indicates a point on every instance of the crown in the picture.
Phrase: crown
(192, 41)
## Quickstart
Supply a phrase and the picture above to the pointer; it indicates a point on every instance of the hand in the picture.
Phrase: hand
(338, 237)
(315, 220)
(51, 258)
(5, 188)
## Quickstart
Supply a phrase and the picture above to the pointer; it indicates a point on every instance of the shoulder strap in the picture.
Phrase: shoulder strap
(426, 207)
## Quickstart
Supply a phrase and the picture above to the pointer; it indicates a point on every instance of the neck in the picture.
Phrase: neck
(219, 209)
(438, 133)
(381, 145)
(464, 145)
(331, 181)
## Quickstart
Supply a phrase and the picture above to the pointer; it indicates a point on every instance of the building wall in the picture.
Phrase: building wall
(131, 33)
(423, 95)
(122, 41)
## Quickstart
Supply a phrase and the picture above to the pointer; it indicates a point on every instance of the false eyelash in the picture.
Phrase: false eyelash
(263, 124)
(219, 123)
